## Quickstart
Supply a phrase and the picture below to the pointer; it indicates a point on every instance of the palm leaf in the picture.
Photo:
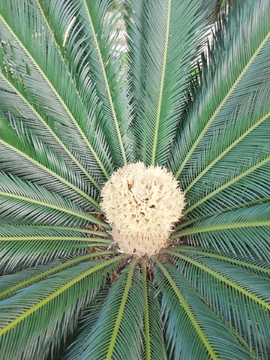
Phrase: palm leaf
(52, 301)
(239, 296)
(26, 156)
(251, 263)
(50, 79)
(87, 323)
(244, 230)
(12, 283)
(237, 111)
(119, 322)
(21, 200)
(192, 330)
(11, 233)
(169, 37)
(97, 62)
(74, 107)
(71, 230)
(24, 246)
(228, 195)
(13, 92)
(154, 343)
(244, 133)
(135, 23)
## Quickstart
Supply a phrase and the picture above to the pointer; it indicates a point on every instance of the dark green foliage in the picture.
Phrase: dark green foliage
(73, 109)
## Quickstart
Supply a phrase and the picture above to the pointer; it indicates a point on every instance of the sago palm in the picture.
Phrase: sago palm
(134, 186)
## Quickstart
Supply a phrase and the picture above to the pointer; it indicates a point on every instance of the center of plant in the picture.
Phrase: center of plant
(142, 203)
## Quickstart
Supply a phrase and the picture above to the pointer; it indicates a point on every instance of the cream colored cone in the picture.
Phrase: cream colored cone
(142, 204)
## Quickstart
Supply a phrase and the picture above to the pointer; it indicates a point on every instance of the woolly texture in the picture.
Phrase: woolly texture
(142, 204)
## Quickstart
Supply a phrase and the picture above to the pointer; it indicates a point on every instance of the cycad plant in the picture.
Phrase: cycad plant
(134, 186)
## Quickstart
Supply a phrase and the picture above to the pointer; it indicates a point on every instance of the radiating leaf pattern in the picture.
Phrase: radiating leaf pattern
(76, 104)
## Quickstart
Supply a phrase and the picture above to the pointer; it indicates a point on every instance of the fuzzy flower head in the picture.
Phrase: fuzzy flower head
(142, 204)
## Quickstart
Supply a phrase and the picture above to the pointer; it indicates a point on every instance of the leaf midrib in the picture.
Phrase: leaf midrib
(57, 139)
(229, 183)
(227, 226)
(146, 316)
(162, 82)
(97, 233)
(57, 95)
(222, 278)
(52, 173)
(106, 83)
(55, 294)
(56, 207)
(229, 148)
(121, 311)
(227, 96)
(51, 271)
(52, 238)
(188, 311)
(225, 258)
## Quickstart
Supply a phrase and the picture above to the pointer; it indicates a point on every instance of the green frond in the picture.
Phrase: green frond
(50, 78)
(117, 332)
(154, 347)
(171, 37)
(18, 255)
(240, 281)
(192, 330)
(234, 106)
(220, 33)
(12, 283)
(59, 20)
(253, 180)
(26, 156)
(22, 201)
(250, 263)
(77, 101)
(101, 68)
(259, 123)
(244, 230)
(72, 230)
(87, 323)
(135, 15)
(13, 92)
(237, 295)
(24, 246)
(39, 232)
(41, 308)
